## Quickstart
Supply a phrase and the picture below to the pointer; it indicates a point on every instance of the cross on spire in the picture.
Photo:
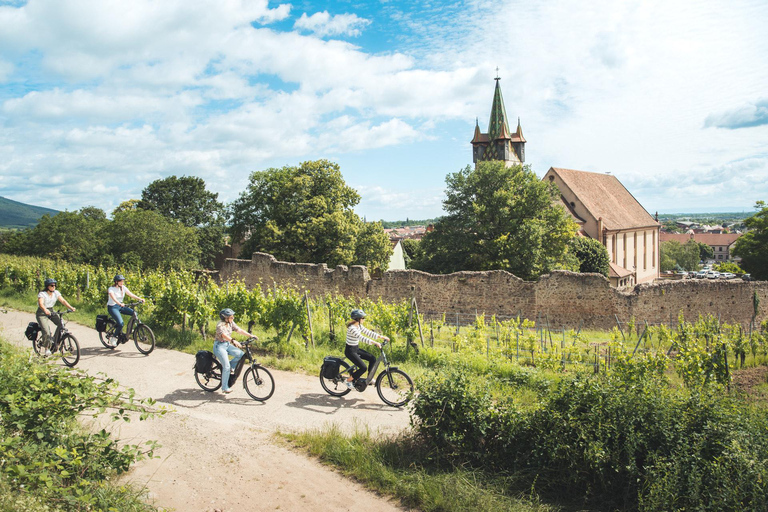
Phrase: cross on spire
(497, 74)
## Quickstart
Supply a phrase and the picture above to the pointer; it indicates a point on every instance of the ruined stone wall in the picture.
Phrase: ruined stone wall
(561, 298)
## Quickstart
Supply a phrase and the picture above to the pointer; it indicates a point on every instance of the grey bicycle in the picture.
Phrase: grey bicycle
(393, 385)
(143, 337)
(63, 341)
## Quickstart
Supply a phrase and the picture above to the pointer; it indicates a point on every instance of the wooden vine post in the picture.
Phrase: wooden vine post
(309, 317)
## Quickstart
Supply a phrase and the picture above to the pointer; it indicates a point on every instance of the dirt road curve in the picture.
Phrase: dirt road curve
(216, 449)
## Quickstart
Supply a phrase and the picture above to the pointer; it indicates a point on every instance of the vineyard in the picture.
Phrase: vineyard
(699, 351)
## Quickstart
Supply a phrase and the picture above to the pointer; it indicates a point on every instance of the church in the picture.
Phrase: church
(604, 209)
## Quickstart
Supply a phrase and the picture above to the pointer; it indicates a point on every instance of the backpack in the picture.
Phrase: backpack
(101, 322)
(330, 367)
(203, 361)
(32, 331)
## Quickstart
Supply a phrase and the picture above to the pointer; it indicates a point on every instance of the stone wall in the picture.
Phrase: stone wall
(562, 298)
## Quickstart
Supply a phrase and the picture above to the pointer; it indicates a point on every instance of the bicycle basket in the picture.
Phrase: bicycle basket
(203, 361)
(331, 367)
(33, 329)
(101, 322)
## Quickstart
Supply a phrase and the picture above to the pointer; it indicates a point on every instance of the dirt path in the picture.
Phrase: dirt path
(217, 452)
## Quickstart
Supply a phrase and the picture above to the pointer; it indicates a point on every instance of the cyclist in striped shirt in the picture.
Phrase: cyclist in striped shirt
(355, 334)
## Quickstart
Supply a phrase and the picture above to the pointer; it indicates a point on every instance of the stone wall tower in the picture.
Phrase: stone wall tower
(498, 143)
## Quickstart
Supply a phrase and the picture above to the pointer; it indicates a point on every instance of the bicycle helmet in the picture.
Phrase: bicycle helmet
(357, 314)
(49, 282)
(119, 277)
(225, 313)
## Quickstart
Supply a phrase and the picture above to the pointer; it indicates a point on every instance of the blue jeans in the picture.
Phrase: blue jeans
(222, 350)
(114, 312)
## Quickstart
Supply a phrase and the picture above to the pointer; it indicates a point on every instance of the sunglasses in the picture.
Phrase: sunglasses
(51, 285)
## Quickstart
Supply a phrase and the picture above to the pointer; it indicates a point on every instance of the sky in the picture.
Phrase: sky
(98, 98)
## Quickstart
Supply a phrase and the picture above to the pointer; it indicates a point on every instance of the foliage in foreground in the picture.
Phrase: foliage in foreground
(47, 461)
(625, 440)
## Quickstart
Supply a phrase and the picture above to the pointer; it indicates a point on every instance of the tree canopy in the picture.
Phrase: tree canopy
(677, 256)
(502, 218)
(305, 214)
(752, 246)
(184, 199)
(592, 255)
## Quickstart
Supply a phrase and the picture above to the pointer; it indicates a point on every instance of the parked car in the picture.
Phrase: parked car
(713, 274)
(681, 274)
(746, 277)
(727, 275)
(701, 274)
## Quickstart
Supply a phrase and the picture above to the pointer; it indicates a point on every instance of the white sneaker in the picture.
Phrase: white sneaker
(47, 352)
(112, 342)
(350, 385)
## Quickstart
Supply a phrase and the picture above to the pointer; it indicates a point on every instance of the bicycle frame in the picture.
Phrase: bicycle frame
(373, 369)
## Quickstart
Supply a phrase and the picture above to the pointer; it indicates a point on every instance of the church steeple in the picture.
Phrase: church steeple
(499, 143)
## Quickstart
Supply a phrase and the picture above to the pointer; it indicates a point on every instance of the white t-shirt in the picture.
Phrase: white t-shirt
(49, 300)
(118, 292)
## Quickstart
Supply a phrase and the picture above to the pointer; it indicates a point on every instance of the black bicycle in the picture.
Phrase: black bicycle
(143, 336)
(63, 341)
(257, 381)
(394, 386)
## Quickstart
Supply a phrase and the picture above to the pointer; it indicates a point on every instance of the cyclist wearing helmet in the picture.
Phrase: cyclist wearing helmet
(116, 306)
(356, 333)
(46, 300)
(224, 346)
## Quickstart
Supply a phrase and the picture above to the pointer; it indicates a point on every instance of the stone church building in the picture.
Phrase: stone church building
(604, 209)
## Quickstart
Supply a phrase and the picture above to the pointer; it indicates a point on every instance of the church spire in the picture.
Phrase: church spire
(498, 119)
(500, 143)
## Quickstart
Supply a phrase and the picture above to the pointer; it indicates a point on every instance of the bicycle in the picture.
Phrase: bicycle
(143, 336)
(257, 380)
(63, 341)
(394, 386)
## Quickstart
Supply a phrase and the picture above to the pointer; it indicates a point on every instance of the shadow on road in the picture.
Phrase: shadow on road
(89, 352)
(191, 398)
(326, 404)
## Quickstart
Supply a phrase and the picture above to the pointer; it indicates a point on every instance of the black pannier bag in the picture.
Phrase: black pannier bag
(33, 329)
(331, 367)
(101, 322)
(203, 361)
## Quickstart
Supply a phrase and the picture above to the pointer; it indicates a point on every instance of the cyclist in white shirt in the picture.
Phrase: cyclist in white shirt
(355, 334)
(45, 316)
(116, 306)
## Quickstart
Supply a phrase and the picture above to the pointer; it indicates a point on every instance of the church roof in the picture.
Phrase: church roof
(479, 137)
(498, 123)
(604, 196)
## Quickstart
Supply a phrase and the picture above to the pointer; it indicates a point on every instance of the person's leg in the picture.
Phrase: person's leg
(221, 353)
(351, 353)
(364, 354)
(236, 354)
(130, 313)
(114, 312)
(46, 330)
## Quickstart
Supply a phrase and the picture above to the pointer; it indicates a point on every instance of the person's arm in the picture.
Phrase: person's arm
(373, 334)
(42, 306)
(131, 294)
(64, 301)
(367, 340)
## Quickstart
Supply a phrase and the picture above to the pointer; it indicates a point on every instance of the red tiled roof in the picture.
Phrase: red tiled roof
(704, 238)
(604, 196)
(618, 271)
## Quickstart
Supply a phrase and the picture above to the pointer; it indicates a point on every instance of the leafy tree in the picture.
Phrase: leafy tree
(125, 206)
(592, 255)
(752, 246)
(706, 252)
(411, 250)
(671, 226)
(677, 256)
(498, 218)
(186, 200)
(304, 214)
(729, 266)
(144, 238)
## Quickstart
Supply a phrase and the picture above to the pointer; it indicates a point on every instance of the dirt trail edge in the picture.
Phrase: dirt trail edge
(217, 452)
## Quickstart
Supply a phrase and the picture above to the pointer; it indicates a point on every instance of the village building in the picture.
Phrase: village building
(604, 209)
(721, 243)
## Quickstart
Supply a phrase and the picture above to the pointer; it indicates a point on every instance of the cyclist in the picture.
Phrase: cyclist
(224, 346)
(46, 300)
(115, 307)
(356, 333)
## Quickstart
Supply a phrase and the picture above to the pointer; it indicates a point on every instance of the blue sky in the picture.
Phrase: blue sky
(100, 97)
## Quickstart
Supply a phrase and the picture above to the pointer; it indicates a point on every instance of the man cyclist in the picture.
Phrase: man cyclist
(116, 307)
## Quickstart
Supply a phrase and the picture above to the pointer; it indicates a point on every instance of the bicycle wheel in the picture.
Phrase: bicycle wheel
(394, 387)
(210, 381)
(258, 383)
(37, 345)
(336, 386)
(144, 339)
(70, 350)
(107, 334)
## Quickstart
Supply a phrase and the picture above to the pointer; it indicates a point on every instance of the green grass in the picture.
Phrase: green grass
(402, 468)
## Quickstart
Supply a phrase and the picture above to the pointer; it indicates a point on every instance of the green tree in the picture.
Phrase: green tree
(186, 200)
(752, 246)
(592, 255)
(706, 252)
(499, 218)
(144, 238)
(729, 266)
(411, 251)
(304, 214)
(677, 256)
(72, 236)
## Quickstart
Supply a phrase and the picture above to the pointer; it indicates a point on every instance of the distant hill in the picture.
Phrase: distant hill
(15, 215)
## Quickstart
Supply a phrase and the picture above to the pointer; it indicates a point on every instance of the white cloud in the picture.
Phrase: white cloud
(324, 25)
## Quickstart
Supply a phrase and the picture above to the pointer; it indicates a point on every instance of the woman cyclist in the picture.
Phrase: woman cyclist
(116, 306)
(356, 333)
(224, 346)
(46, 300)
